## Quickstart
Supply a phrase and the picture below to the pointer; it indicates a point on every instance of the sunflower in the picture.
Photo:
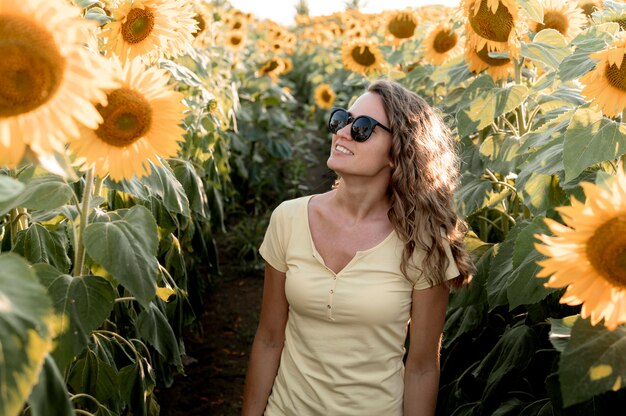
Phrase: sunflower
(324, 96)
(606, 84)
(141, 124)
(48, 80)
(235, 40)
(589, 6)
(491, 23)
(478, 61)
(442, 44)
(361, 56)
(611, 14)
(273, 67)
(150, 28)
(564, 16)
(586, 255)
(401, 25)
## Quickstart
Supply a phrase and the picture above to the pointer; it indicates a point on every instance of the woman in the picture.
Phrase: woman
(346, 270)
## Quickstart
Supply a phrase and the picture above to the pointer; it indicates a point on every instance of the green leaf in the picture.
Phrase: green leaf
(548, 47)
(561, 331)
(589, 139)
(592, 362)
(485, 102)
(524, 287)
(94, 376)
(541, 192)
(25, 338)
(579, 62)
(84, 301)
(154, 327)
(500, 152)
(50, 396)
(501, 267)
(472, 194)
(38, 245)
(127, 249)
(509, 356)
(44, 193)
(9, 188)
(192, 184)
(161, 183)
(533, 9)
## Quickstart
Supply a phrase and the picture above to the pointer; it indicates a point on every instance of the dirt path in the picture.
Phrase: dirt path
(217, 359)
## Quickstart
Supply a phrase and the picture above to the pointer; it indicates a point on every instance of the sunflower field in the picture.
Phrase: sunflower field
(136, 134)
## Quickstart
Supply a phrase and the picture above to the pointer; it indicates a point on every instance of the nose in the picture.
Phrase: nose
(345, 131)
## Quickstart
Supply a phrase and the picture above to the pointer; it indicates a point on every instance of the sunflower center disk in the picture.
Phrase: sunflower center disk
(326, 96)
(606, 251)
(554, 20)
(444, 41)
(616, 77)
(201, 25)
(492, 26)
(31, 67)
(138, 25)
(363, 56)
(621, 21)
(127, 118)
(483, 54)
(402, 27)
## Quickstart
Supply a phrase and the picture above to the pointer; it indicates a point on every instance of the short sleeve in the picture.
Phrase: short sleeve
(451, 272)
(272, 248)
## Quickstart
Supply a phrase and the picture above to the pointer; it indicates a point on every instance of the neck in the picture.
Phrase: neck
(362, 198)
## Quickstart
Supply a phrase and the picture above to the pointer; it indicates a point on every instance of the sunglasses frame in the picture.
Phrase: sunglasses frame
(351, 120)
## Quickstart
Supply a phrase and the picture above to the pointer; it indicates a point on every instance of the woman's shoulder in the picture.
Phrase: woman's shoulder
(295, 203)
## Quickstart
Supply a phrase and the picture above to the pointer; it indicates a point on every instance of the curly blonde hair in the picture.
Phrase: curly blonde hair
(424, 177)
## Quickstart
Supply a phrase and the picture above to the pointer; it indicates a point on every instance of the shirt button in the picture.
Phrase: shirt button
(328, 306)
(331, 291)
(335, 278)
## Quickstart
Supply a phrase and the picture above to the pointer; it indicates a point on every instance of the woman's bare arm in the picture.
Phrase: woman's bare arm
(421, 377)
(267, 345)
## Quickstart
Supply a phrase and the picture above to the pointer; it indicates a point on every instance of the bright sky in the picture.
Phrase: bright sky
(283, 11)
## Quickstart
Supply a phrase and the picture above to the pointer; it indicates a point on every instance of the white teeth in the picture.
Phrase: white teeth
(343, 150)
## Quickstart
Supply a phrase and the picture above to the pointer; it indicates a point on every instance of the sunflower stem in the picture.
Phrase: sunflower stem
(79, 253)
(519, 111)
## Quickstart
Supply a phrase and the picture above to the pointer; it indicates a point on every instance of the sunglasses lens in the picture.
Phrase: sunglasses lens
(361, 129)
(338, 120)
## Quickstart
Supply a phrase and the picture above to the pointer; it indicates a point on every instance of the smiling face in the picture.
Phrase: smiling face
(369, 158)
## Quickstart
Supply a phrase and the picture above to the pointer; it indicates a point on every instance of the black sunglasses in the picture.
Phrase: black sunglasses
(362, 126)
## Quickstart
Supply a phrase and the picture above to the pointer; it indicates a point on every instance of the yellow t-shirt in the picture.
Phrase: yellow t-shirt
(345, 334)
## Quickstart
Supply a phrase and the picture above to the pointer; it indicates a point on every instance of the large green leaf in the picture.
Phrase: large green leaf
(127, 249)
(25, 337)
(47, 192)
(501, 267)
(525, 288)
(472, 194)
(533, 9)
(485, 102)
(500, 152)
(38, 245)
(592, 362)
(161, 183)
(154, 327)
(548, 47)
(50, 396)
(541, 192)
(589, 139)
(9, 188)
(579, 62)
(96, 377)
(192, 184)
(510, 355)
(84, 301)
